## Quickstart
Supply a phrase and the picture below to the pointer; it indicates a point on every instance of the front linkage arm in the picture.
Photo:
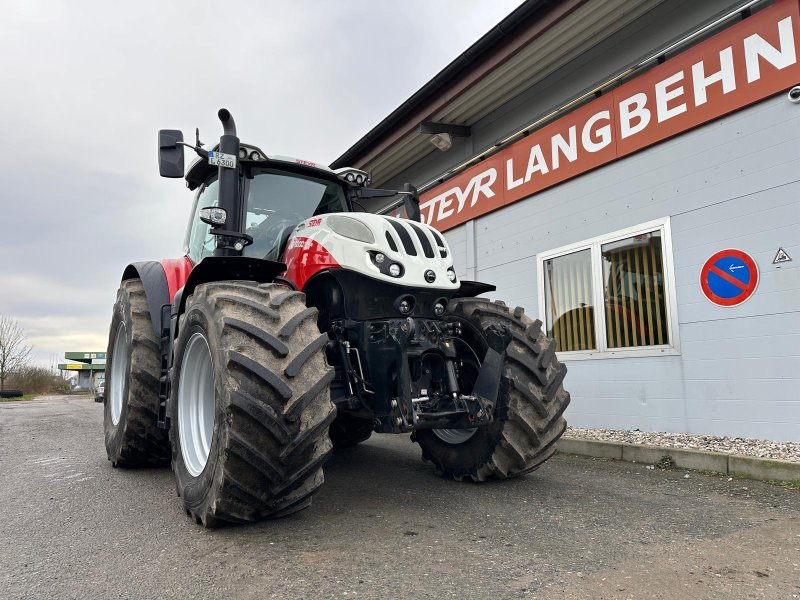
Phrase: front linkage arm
(467, 410)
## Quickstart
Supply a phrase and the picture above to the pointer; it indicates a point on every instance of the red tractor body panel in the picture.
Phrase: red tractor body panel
(305, 258)
(177, 271)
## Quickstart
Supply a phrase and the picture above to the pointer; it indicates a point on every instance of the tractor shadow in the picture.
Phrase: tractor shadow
(382, 487)
(387, 473)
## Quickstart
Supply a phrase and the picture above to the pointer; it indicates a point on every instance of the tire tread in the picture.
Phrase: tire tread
(532, 379)
(278, 407)
(143, 443)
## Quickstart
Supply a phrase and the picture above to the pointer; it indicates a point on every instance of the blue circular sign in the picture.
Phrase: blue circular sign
(729, 277)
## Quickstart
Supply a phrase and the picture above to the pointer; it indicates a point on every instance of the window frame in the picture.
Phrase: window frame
(594, 245)
(194, 218)
(254, 171)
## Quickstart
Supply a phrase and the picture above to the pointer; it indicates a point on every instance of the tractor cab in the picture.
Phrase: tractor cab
(249, 202)
(277, 193)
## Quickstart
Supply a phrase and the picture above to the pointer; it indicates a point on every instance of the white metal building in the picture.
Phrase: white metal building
(629, 171)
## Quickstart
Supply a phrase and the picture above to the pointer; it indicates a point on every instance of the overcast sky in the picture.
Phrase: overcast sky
(86, 85)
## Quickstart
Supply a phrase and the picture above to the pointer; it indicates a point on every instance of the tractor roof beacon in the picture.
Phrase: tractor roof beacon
(295, 324)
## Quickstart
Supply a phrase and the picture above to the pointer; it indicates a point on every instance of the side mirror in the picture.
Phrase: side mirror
(170, 153)
(411, 203)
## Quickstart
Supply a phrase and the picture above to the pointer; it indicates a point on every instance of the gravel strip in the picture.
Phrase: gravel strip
(712, 443)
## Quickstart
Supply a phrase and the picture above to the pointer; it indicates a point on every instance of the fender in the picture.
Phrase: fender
(225, 268)
(156, 288)
(471, 289)
(161, 281)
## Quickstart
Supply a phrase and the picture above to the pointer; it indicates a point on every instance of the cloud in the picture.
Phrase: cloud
(87, 85)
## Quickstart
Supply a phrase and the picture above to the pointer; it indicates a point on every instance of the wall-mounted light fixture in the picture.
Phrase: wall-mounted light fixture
(442, 141)
(442, 134)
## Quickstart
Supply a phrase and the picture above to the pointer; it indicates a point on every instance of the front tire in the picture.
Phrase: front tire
(253, 358)
(528, 419)
(130, 414)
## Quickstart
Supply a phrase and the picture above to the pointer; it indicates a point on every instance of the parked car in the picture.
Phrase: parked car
(99, 391)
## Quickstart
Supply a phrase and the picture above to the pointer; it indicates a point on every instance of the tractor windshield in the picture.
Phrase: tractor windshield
(277, 201)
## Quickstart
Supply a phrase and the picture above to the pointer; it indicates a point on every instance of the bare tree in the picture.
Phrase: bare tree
(14, 349)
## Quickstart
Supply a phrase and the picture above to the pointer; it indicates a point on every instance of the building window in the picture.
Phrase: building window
(612, 295)
(633, 286)
(569, 300)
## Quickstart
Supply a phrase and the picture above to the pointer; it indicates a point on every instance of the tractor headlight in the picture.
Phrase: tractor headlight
(350, 228)
(354, 177)
(385, 265)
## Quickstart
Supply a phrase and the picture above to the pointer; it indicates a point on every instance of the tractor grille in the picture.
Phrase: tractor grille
(423, 239)
(440, 243)
(405, 238)
(429, 240)
(391, 241)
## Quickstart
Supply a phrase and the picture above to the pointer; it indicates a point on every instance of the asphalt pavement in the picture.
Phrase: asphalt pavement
(383, 526)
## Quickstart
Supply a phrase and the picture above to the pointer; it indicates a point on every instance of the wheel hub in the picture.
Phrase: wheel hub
(454, 436)
(196, 404)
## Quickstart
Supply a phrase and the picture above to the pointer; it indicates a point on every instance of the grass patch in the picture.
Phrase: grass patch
(22, 398)
(711, 473)
(665, 463)
(789, 485)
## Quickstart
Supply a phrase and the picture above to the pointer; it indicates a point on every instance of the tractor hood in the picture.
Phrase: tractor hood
(394, 250)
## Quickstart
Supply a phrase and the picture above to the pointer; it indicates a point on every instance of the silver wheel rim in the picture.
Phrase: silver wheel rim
(119, 373)
(455, 436)
(196, 404)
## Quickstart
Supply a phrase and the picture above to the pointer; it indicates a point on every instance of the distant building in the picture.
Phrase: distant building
(88, 372)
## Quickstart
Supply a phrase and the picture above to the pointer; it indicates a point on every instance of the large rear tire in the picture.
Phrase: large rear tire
(133, 366)
(528, 417)
(250, 403)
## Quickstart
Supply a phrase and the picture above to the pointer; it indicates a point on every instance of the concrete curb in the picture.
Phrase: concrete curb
(764, 469)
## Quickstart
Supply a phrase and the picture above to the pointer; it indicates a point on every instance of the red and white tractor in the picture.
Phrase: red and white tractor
(296, 323)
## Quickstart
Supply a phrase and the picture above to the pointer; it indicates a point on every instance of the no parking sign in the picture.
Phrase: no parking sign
(729, 277)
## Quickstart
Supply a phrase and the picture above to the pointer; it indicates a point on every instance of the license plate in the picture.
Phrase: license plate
(218, 159)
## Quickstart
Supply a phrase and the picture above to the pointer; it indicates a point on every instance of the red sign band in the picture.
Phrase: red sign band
(739, 66)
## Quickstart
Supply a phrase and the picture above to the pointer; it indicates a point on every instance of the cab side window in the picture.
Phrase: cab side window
(201, 242)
